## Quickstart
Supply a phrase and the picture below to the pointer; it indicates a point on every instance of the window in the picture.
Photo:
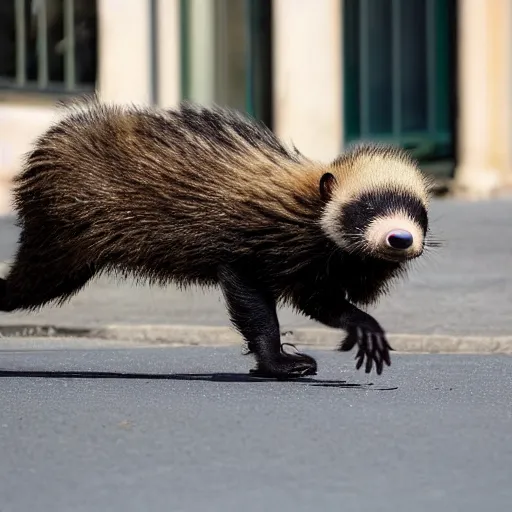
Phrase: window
(400, 76)
(227, 55)
(48, 45)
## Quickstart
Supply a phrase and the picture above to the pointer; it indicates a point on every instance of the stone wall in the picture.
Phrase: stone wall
(20, 125)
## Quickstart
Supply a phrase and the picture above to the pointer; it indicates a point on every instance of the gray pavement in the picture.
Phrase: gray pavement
(465, 288)
(89, 425)
(185, 429)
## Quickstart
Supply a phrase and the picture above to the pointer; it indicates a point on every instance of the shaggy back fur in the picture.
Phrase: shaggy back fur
(168, 195)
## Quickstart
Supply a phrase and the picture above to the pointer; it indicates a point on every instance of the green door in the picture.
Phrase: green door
(399, 69)
(240, 48)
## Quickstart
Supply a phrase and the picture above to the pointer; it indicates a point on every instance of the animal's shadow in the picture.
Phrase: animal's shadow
(208, 377)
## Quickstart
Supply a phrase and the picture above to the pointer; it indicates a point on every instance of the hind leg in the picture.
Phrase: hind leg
(253, 312)
(37, 278)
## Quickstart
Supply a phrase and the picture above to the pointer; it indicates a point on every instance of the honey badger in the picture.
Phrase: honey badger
(207, 196)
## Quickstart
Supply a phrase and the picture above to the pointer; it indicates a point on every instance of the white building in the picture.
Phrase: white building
(431, 75)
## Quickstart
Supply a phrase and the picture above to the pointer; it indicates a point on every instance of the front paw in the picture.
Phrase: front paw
(284, 366)
(372, 345)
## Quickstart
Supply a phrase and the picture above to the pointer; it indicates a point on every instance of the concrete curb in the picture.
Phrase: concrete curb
(319, 338)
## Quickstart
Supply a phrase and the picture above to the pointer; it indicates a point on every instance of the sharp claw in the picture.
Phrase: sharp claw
(289, 345)
(379, 363)
(368, 352)
(373, 348)
(370, 347)
(377, 353)
(385, 355)
(369, 363)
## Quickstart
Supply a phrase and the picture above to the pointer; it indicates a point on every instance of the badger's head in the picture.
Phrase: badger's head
(376, 202)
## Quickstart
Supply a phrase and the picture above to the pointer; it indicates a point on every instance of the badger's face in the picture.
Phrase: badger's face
(375, 207)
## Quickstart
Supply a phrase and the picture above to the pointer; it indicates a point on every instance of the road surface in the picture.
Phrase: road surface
(185, 429)
(465, 288)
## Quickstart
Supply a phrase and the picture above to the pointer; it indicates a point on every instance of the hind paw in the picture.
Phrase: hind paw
(285, 366)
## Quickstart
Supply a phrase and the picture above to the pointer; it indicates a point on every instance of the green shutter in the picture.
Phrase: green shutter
(399, 72)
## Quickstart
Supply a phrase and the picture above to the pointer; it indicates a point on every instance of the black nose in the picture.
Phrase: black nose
(399, 239)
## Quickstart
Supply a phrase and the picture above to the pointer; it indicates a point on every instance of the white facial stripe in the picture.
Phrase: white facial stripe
(381, 226)
(373, 173)
(330, 222)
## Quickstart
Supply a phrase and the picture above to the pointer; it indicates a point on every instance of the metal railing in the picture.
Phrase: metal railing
(46, 46)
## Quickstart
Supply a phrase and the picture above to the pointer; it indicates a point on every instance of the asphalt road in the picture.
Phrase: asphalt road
(185, 429)
(465, 288)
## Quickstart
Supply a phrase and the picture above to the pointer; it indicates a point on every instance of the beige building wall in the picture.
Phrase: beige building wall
(485, 99)
(19, 125)
(169, 53)
(124, 75)
(308, 85)
(125, 49)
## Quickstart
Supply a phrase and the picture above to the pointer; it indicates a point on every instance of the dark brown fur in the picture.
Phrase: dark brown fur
(191, 196)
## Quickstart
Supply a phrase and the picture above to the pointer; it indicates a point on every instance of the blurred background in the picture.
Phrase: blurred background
(431, 75)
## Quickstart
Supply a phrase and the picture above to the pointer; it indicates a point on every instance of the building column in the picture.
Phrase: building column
(202, 55)
(308, 86)
(485, 99)
(168, 53)
(124, 71)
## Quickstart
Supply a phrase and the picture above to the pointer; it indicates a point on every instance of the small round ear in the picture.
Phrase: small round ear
(327, 183)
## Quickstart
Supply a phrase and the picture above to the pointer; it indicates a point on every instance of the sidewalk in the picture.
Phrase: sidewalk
(462, 289)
